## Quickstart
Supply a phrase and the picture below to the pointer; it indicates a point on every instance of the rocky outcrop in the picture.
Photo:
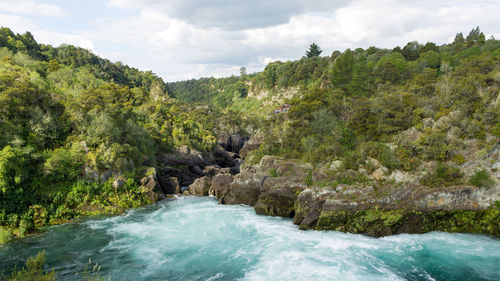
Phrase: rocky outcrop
(277, 187)
(276, 202)
(170, 185)
(221, 185)
(201, 186)
(187, 165)
(252, 143)
(388, 210)
(261, 187)
(150, 187)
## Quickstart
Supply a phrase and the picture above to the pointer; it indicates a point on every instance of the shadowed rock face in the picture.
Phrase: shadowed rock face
(187, 165)
(170, 185)
(232, 143)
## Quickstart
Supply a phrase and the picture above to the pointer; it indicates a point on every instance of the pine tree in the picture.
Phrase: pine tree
(314, 51)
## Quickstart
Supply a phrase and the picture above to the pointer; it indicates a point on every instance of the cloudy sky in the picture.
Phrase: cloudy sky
(183, 39)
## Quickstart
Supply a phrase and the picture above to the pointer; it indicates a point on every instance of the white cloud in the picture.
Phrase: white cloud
(232, 14)
(29, 7)
(182, 39)
(20, 24)
(56, 39)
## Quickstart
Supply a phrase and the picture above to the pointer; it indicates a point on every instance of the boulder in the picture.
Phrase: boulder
(221, 185)
(245, 189)
(379, 173)
(335, 165)
(276, 202)
(308, 208)
(201, 186)
(151, 191)
(170, 185)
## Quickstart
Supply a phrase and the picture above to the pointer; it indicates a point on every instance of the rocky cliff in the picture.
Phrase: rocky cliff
(277, 187)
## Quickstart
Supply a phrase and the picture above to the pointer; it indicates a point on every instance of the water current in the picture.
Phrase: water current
(196, 239)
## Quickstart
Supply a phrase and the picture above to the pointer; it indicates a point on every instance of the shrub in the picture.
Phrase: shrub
(481, 178)
(273, 172)
(443, 175)
(496, 130)
(34, 270)
(26, 224)
(458, 159)
(5, 235)
(64, 164)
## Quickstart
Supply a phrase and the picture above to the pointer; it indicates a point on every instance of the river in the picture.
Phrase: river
(196, 239)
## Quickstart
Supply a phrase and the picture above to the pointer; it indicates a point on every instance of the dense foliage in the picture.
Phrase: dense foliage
(401, 108)
(72, 122)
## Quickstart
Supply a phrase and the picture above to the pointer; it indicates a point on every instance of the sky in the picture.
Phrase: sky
(185, 39)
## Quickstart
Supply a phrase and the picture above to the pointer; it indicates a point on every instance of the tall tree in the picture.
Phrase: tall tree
(314, 51)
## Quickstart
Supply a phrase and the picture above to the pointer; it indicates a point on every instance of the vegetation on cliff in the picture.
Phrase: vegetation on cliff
(420, 108)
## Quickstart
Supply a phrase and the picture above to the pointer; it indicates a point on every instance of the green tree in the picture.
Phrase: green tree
(314, 51)
(343, 69)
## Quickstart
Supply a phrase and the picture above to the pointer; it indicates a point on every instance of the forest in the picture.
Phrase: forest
(71, 123)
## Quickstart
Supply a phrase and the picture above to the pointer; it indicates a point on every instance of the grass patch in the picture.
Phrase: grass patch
(481, 178)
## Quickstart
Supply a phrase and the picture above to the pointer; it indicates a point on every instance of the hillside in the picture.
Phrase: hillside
(79, 133)
(408, 130)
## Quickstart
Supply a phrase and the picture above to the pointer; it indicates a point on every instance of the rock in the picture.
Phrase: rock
(170, 185)
(252, 143)
(428, 123)
(335, 165)
(245, 189)
(151, 191)
(211, 171)
(236, 166)
(322, 174)
(412, 134)
(307, 209)
(232, 143)
(292, 183)
(118, 183)
(201, 186)
(276, 202)
(379, 173)
(221, 185)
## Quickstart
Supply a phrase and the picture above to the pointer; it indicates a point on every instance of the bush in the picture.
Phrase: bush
(64, 164)
(496, 130)
(458, 159)
(26, 224)
(497, 204)
(5, 235)
(443, 175)
(481, 178)
(34, 270)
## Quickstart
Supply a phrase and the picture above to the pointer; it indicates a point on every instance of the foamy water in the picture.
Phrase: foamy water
(196, 239)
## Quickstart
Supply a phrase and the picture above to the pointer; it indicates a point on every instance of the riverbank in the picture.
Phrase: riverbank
(278, 187)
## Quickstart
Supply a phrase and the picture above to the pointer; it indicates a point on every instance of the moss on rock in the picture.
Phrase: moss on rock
(377, 222)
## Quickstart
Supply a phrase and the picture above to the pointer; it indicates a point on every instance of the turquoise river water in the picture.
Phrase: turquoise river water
(196, 239)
